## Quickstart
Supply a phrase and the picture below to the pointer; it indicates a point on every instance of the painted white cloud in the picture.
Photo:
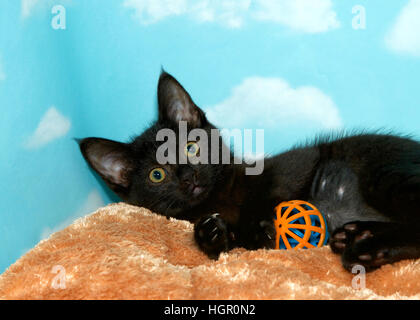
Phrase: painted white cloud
(93, 202)
(52, 126)
(231, 13)
(150, 11)
(27, 7)
(403, 37)
(251, 156)
(227, 12)
(267, 102)
(310, 16)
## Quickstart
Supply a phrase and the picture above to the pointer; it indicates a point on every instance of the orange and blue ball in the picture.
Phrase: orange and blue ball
(299, 224)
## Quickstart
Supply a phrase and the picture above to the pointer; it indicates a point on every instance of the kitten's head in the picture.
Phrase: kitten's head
(133, 172)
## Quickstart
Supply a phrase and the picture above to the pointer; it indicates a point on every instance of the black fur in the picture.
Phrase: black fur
(367, 186)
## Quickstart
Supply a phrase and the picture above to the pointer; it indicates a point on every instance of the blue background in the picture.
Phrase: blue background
(98, 77)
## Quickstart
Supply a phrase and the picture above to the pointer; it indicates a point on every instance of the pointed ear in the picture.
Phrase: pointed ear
(175, 104)
(111, 160)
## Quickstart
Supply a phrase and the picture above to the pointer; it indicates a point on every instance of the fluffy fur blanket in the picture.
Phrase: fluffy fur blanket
(126, 252)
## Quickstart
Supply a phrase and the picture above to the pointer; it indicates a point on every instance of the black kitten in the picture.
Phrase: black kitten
(367, 186)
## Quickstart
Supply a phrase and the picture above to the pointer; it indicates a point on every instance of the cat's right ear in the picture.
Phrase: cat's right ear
(112, 160)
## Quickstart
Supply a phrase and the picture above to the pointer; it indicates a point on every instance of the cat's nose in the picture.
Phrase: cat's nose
(189, 180)
(187, 176)
(190, 183)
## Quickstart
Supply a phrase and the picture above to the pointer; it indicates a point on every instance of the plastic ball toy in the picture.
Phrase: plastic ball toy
(299, 224)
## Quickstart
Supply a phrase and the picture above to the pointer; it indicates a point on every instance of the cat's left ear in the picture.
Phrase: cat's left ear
(175, 104)
(112, 160)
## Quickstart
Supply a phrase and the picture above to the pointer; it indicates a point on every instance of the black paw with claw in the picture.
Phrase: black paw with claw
(361, 243)
(265, 236)
(212, 236)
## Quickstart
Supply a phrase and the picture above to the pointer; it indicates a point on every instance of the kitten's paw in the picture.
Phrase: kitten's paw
(362, 243)
(266, 236)
(211, 235)
(344, 237)
(369, 253)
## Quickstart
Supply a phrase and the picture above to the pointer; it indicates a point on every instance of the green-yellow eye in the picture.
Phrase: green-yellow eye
(191, 149)
(157, 175)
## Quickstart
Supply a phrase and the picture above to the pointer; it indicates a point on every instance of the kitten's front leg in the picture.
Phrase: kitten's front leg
(214, 235)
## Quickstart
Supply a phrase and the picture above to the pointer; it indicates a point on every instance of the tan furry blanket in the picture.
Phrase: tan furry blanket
(126, 252)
